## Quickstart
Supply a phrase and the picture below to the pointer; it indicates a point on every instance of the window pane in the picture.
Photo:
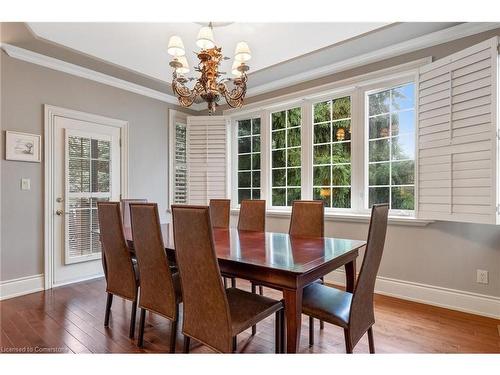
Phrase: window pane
(279, 159)
(79, 175)
(341, 152)
(279, 139)
(256, 126)
(323, 194)
(379, 127)
(100, 176)
(293, 175)
(279, 177)
(341, 130)
(278, 120)
(244, 179)
(294, 117)
(322, 111)
(379, 103)
(244, 128)
(255, 193)
(256, 179)
(244, 162)
(403, 97)
(321, 176)
(322, 133)
(321, 154)
(379, 150)
(293, 194)
(403, 198)
(403, 147)
(341, 108)
(378, 195)
(341, 197)
(100, 149)
(244, 194)
(293, 137)
(279, 197)
(256, 144)
(256, 161)
(403, 122)
(379, 174)
(244, 145)
(341, 175)
(294, 157)
(403, 173)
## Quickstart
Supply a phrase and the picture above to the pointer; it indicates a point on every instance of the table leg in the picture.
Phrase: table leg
(350, 275)
(293, 311)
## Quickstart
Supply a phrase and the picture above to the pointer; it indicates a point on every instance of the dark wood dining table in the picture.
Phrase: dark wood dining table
(279, 261)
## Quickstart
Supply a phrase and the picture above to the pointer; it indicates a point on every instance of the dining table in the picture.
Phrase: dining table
(277, 260)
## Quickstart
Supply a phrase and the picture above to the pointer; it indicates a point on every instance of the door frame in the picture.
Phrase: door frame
(50, 114)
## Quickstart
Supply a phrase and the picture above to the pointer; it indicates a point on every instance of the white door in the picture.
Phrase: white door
(87, 170)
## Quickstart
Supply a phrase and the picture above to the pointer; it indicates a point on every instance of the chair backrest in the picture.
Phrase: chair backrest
(120, 274)
(126, 210)
(220, 212)
(308, 219)
(157, 286)
(362, 316)
(252, 215)
(206, 315)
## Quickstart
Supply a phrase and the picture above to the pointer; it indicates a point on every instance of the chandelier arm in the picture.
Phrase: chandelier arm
(235, 96)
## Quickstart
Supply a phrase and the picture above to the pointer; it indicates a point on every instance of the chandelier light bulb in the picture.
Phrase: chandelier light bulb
(234, 69)
(205, 38)
(242, 52)
(175, 46)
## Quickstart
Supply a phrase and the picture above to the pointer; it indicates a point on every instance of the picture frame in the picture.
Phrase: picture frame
(22, 146)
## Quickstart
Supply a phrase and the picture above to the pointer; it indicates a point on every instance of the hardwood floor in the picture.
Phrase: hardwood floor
(70, 319)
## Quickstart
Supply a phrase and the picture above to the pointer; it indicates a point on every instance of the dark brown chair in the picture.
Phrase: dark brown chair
(160, 288)
(252, 215)
(213, 315)
(122, 277)
(308, 220)
(220, 210)
(126, 209)
(352, 311)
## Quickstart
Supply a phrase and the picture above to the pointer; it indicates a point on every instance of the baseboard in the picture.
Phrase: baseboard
(79, 280)
(473, 303)
(21, 286)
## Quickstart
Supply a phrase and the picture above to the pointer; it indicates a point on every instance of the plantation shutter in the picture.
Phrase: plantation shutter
(207, 158)
(458, 136)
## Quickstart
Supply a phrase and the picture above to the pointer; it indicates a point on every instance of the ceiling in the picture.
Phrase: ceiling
(142, 47)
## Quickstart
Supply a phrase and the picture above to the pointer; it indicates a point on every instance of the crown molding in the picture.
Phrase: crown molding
(429, 40)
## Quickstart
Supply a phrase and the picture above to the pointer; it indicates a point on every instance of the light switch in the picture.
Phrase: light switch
(25, 184)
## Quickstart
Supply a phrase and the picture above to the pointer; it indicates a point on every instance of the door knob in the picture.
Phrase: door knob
(59, 212)
(59, 200)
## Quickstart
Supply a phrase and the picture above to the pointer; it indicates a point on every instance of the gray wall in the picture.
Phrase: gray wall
(25, 88)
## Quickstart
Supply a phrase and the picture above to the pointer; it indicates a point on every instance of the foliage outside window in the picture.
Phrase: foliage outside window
(286, 156)
(332, 152)
(248, 159)
(391, 147)
(180, 166)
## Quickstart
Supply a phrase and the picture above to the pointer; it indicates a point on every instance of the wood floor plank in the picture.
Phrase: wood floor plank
(72, 317)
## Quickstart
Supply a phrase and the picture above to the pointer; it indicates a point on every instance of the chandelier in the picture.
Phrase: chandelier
(209, 86)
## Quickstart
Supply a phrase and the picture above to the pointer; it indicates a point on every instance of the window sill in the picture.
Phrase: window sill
(351, 217)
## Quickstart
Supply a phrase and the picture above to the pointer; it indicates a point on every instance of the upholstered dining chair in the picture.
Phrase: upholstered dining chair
(352, 311)
(308, 220)
(126, 209)
(213, 315)
(122, 277)
(160, 288)
(220, 210)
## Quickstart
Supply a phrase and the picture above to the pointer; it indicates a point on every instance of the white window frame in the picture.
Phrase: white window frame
(174, 117)
(356, 87)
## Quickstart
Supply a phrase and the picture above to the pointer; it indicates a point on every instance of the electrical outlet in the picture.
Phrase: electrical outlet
(482, 277)
(25, 184)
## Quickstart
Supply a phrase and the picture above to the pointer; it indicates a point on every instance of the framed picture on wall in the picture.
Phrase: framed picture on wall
(22, 146)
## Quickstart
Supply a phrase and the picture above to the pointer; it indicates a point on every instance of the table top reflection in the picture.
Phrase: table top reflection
(271, 250)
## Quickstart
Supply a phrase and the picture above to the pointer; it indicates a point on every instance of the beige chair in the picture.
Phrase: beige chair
(160, 288)
(122, 278)
(352, 311)
(213, 315)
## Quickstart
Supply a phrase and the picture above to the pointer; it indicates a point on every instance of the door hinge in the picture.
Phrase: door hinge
(120, 142)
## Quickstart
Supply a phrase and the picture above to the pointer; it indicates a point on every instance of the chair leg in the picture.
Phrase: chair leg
(109, 302)
(261, 290)
(225, 282)
(142, 321)
(187, 341)
(254, 327)
(282, 331)
(348, 347)
(322, 323)
(277, 332)
(233, 282)
(173, 335)
(132, 320)
(370, 341)
(235, 344)
(311, 331)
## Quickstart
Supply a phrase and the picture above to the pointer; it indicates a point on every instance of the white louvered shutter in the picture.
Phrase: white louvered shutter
(458, 136)
(207, 158)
